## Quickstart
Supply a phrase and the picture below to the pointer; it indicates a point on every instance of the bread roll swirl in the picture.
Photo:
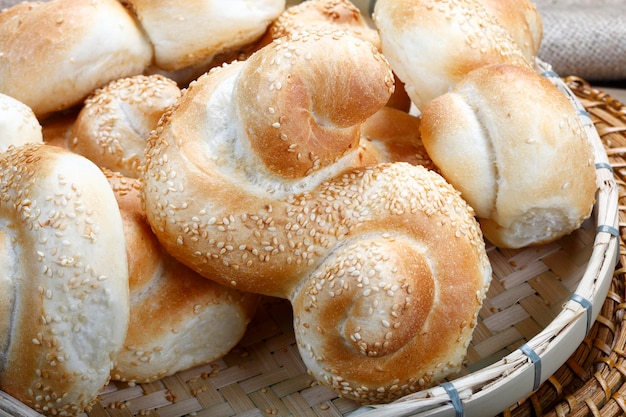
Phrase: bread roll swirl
(285, 100)
(364, 248)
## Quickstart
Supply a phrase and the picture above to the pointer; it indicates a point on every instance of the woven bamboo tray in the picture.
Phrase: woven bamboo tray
(549, 338)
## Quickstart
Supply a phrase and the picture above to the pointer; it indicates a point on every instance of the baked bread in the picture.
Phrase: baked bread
(335, 15)
(511, 142)
(338, 14)
(178, 319)
(63, 278)
(18, 124)
(522, 20)
(238, 190)
(431, 45)
(56, 53)
(115, 121)
(190, 32)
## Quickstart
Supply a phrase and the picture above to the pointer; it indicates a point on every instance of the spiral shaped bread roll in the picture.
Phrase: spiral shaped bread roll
(63, 278)
(178, 319)
(260, 178)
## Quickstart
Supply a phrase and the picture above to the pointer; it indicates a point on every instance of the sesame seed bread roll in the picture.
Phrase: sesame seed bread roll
(178, 319)
(55, 53)
(522, 20)
(511, 142)
(340, 14)
(64, 306)
(432, 44)
(383, 262)
(115, 121)
(187, 33)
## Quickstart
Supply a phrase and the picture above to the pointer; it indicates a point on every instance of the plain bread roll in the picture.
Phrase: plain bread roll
(185, 33)
(515, 147)
(55, 53)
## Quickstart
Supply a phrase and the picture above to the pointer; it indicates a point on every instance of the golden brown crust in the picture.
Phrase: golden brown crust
(334, 14)
(178, 319)
(341, 242)
(18, 124)
(514, 158)
(116, 120)
(283, 96)
(66, 263)
(187, 33)
(55, 53)
(522, 20)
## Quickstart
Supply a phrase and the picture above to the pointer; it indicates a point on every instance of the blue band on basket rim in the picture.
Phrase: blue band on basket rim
(550, 74)
(536, 360)
(605, 228)
(604, 165)
(587, 305)
(455, 398)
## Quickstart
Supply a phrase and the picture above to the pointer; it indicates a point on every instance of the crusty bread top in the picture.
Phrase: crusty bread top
(515, 147)
(65, 258)
(55, 53)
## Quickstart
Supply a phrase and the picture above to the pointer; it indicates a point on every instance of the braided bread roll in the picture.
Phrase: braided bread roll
(56, 53)
(260, 178)
(63, 277)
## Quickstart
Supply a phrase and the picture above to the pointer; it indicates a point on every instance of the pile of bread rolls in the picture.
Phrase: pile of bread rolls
(164, 164)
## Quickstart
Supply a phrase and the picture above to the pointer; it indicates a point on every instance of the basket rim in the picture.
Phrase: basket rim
(496, 387)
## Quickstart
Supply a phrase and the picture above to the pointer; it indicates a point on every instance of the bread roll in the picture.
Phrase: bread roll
(187, 33)
(383, 262)
(63, 279)
(514, 146)
(18, 124)
(522, 20)
(431, 45)
(338, 14)
(115, 121)
(55, 53)
(178, 319)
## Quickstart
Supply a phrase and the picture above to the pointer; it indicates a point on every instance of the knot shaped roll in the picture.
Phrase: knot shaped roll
(294, 97)
(382, 261)
(63, 279)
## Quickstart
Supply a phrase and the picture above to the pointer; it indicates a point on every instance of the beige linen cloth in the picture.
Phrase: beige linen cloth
(586, 38)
